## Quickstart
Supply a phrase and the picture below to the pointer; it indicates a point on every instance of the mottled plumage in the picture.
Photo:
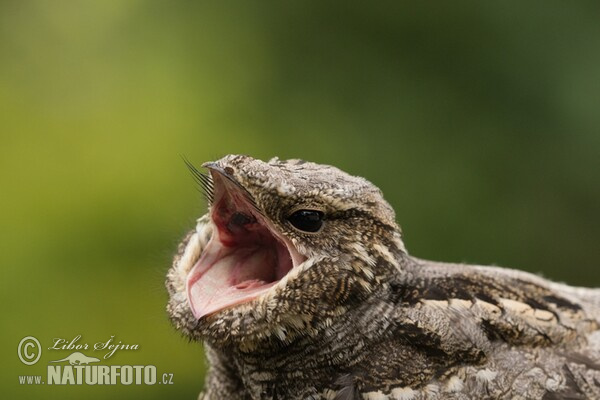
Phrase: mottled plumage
(345, 313)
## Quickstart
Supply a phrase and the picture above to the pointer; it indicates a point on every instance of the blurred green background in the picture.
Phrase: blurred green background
(480, 121)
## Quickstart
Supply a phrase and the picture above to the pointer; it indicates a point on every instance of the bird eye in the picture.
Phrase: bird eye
(307, 220)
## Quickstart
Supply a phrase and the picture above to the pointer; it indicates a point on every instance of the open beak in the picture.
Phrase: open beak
(245, 257)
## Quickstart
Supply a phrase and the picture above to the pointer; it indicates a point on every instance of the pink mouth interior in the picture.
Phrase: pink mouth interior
(243, 258)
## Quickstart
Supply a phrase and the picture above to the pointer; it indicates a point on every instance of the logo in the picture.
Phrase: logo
(78, 358)
(25, 356)
(78, 368)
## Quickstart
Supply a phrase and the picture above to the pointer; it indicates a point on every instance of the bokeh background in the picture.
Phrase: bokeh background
(480, 121)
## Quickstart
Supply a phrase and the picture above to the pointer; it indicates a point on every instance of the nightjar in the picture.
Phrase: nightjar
(298, 283)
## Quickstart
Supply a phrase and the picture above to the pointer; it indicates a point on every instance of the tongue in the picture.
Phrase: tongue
(223, 277)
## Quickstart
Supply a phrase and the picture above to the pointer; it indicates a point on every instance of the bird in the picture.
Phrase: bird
(298, 283)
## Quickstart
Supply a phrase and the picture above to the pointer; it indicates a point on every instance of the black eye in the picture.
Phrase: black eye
(307, 220)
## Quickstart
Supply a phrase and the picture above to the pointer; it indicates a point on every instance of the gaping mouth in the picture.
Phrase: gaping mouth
(245, 256)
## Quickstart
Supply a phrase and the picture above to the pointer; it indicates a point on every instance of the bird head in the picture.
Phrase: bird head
(286, 247)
